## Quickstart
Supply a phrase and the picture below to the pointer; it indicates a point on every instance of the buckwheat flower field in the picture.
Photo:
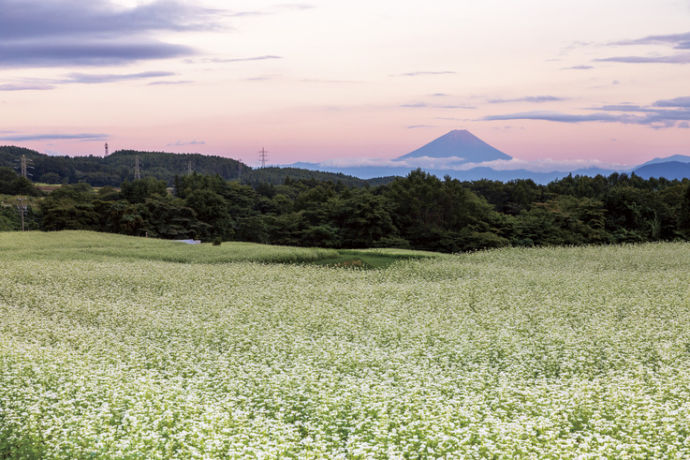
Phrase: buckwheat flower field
(117, 347)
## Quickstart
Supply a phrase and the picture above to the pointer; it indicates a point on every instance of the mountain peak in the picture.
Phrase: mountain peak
(458, 143)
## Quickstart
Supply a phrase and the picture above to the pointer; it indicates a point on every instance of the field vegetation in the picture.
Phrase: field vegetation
(123, 347)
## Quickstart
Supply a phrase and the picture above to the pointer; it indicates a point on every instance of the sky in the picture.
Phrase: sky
(605, 82)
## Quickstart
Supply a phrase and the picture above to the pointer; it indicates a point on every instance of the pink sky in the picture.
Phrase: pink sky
(589, 80)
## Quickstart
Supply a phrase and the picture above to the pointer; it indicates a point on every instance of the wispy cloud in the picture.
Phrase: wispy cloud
(579, 67)
(423, 73)
(185, 143)
(169, 82)
(244, 59)
(459, 164)
(25, 87)
(669, 59)
(674, 41)
(533, 99)
(36, 33)
(420, 126)
(661, 114)
(55, 136)
(680, 41)
(421, 105)
(553, 116)
(109, 78)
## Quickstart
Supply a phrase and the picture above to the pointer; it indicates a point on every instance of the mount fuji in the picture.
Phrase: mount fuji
(460, 144)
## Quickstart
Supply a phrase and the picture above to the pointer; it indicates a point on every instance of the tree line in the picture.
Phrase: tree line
(418, 211)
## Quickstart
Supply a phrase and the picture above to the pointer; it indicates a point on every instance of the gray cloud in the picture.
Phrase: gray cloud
(669, 59)
(25, 87)
(420, 105)
(169, 82)
(95, 53)
(677, 102)
(533, 99)
(37, 33)
(421, 73)
(674, 41)
(680, 41)
(661, 114)
(553, 116)
(29, 19)
(109, 78)
(247, 59)
(579, 67)
(185, 143)
(42, 137)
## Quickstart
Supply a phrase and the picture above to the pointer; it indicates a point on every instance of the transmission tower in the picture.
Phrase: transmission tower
(22, 208)
(137, 168)
(263, 157)
(24, 167)
(106, 150)
(189, 167)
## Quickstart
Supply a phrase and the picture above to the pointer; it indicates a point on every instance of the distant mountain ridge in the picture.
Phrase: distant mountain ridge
(460, 147)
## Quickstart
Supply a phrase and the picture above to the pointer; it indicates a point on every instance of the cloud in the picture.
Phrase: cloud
(295, 6)
(109, 78)
(579, 67)
(84, 78)
(246, 59)
(553, 116)
(185, 143)
(669, 59)
(421, 105)
(680, 41)
(169, 82)
(677, 102)
(420, 126)
(94, 53)
(674, 41)
(661, 114)
(37, 33)
(25, 87)
(459, 164)
(533, 99)
(422, 73)
(42, 137)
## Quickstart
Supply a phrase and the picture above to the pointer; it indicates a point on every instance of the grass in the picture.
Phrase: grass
(82, 245)
(117, 347)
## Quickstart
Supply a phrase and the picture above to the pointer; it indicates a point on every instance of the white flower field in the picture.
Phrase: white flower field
(119, 347)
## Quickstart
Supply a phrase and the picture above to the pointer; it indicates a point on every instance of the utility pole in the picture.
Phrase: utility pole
(23, 167)
(106, 150)
(137, 168)
(22, 208)
(262, 157)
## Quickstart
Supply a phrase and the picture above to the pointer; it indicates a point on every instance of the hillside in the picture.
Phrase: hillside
(119, 166)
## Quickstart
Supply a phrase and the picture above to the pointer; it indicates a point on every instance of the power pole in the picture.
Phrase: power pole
(106, 150)
(137, 168)
(22, 208)
(23, 167)
(262, 157)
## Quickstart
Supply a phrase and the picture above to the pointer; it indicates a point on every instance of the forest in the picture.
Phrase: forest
(419, 211)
